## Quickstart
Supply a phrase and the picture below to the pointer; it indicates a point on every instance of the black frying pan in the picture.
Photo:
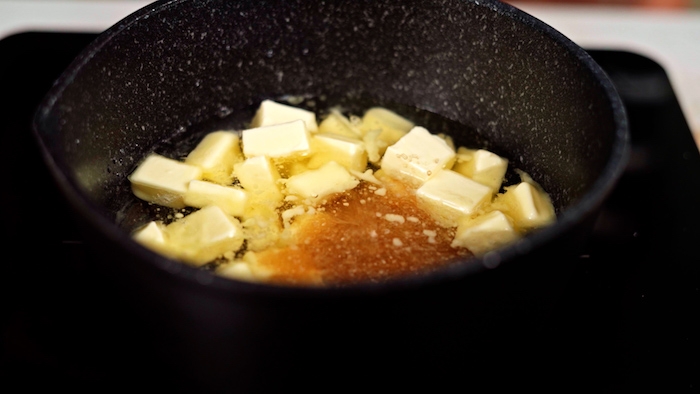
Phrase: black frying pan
(484, 72)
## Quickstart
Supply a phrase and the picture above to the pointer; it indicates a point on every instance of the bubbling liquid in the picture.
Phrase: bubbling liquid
(377, 230)
(362, 236)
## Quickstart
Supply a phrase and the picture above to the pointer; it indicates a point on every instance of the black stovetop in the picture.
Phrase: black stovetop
(628, 318)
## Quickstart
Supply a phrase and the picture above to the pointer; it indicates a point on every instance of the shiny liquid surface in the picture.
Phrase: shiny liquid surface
(364, 236)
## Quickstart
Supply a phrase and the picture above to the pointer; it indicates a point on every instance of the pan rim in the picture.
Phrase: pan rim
(584, 206)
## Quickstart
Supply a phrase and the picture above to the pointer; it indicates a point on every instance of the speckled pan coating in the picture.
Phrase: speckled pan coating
(171, 66)
(519, 88)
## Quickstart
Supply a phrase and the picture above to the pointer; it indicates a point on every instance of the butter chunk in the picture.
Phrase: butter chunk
(277, 141)
(375, 147)
(449, 196)
(338, 124)
(485, 233)
(259, 176)
(316, 184)
(380, 128)
(231, 200)
(392, 125)
(237, 270)
(528, 205)
(348, 152)
(216, 154)
(417, 156)
(271, 113)
(153, 237)
(204, 235)
(163, 181)
(482, 166)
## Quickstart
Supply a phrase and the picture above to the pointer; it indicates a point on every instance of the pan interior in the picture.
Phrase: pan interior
(485, 74)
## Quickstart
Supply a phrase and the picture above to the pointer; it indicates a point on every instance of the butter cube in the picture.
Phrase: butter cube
(259, 176)
(337, 123)
(484, 233)
(348, 152)
(283, 140)
(152, 236)
(248, 269)
(392, 125)
(163, 181)
(449, 196)
(231, 200)
(271, 113)
(482, 166)
(529, 206)
(216, 154)
(380, 128)
(237, 270)
(204, 235)
(374, 146)
(417, 156)
(317, 184)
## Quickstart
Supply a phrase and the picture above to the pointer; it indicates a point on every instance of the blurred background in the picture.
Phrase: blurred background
(666, 31)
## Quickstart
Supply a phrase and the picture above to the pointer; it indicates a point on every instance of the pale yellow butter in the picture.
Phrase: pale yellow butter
(448, 196)
(485, 233)
(380, 128)
(278, 173)
(374, 146)
(417, 157)
(163, 181)
(271, 113)
(231, 200)
(316, 184)
(237, 270)
(392, 125)
(216, 154)
(529, 206)
(284, 140)
(204, 235)
(338, 124)
(348, 152)
(482, 166)
(152, 236)
(259, 177)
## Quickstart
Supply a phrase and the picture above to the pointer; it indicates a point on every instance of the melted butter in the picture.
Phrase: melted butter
(362, 236)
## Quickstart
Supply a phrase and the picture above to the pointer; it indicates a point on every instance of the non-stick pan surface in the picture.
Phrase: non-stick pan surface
(483, 71)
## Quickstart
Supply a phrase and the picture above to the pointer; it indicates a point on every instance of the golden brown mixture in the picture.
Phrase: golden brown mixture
(363, 236)
(350, 200)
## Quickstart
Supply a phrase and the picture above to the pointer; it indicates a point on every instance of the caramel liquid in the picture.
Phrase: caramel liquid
(349, 239)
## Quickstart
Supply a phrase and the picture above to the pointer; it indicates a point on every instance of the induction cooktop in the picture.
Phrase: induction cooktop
(627, 319)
